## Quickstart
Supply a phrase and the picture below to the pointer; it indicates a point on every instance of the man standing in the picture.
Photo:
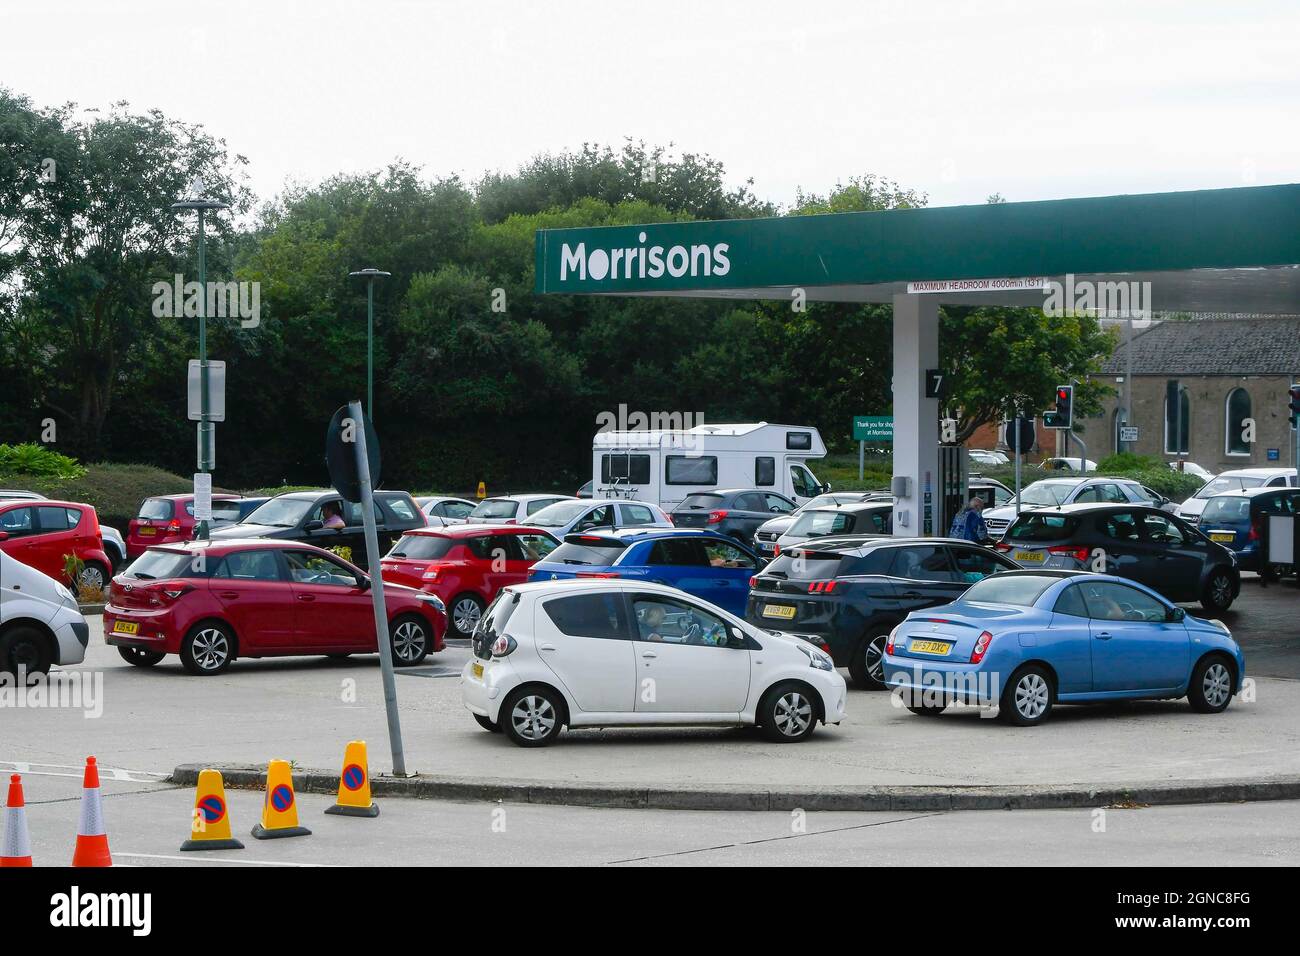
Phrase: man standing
(969, 523)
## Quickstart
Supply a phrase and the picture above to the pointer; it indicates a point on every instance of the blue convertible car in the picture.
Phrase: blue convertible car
(1025, 640)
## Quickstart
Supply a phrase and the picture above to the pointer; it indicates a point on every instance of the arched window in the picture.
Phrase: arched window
(1237, 412)
(1178, 444)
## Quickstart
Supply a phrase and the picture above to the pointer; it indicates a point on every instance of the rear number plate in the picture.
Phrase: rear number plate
(782, 611)
(145, 532)
(126, 627)
(477, 669)
(1035, 557)
(1224, 536)
(930, 647)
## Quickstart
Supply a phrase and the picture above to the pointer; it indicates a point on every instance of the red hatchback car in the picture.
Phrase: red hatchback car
(164, 519)
(466, 565)
(210, 603)
(40, 533)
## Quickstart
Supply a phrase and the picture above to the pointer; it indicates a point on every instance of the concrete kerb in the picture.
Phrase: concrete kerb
(898, 799)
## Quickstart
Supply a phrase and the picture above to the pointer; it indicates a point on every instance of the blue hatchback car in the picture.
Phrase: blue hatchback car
(710, 566)
(1236, 519)
(1026, 640)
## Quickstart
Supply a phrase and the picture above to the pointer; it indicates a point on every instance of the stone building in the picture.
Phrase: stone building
(1229, 371)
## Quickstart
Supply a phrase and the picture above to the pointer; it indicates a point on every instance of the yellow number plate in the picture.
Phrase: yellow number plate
(1224, 536)
(477, 669)
(145, 532)
(930, 647)
(783, 611)
(1031, 556)
(126, 627)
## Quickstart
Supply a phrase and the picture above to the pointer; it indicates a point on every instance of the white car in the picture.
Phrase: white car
(40, 622)
(1050, 492)
(1235, 480)
(441, 510)
(1076, 465)
(1191, 468)
(613, 653)
(511, 509)
(983, 456)
(586, 514)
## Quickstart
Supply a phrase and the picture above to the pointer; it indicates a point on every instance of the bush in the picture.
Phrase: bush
(33, 460)
(114, 491)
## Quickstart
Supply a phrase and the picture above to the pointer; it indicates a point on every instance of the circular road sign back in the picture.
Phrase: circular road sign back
(341, 454)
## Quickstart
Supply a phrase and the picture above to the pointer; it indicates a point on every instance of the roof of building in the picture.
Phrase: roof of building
(1214, 347)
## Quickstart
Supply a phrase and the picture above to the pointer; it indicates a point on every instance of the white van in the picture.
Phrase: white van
(40, 622)
(1235, 480)
(664, 466)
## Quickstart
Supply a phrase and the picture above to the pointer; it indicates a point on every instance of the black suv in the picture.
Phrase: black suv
(846, 594)
(735, 512)
(300, 516)
(1140, 543)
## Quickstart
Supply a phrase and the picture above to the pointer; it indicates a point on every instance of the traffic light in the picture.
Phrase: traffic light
(1295, 404)
(1062, 416)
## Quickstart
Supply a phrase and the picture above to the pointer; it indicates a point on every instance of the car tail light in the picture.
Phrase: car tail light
(174, 525)
(1079, 554)
(176, 591)
(822, 587)
(981, 647)
(1001, 546)
(889, 644)
(716, 516)
(776, 550)
(1253, 534)
(503, 645)
(597, 574)
(753, 580)
(430, 574)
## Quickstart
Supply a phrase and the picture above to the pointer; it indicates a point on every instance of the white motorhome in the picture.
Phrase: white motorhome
(664, 466)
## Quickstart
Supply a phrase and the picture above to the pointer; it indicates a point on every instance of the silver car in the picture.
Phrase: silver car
(1051, 492)
(587, 514)
(769, 532)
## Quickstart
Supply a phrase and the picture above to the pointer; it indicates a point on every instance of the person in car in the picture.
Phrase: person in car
(330, 516)
(969, 523)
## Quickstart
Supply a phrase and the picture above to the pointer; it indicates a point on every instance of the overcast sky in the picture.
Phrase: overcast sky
(1034, 100)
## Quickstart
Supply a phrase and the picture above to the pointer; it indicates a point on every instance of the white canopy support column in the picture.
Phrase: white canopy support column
(916, 418)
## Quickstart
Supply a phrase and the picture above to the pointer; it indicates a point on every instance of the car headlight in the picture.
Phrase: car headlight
(436, 602)
(71, 598)
(816, 658)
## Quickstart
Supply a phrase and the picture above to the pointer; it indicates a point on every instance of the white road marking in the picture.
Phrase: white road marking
(205, 858)
(59, 770)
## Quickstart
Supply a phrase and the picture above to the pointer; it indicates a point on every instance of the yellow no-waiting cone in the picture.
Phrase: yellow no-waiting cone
(354, 784)
(210, 829)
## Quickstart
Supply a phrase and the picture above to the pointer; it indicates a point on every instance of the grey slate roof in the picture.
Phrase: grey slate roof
(1214, 347)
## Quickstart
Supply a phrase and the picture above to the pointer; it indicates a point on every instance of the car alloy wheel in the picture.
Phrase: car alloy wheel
(1031, 696)
(210, 649)
(533, 717)
(1216, 685)
(465, 615)
(867, 666)
(793, 713)
(409, 642)
(92, 578)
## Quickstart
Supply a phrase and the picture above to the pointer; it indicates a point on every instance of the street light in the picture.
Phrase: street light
(197, 202)
(370, 275)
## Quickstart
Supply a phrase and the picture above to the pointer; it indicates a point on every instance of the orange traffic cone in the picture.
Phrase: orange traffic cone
(354, 784)
(280, 811)
(92, 841)
(17, 849)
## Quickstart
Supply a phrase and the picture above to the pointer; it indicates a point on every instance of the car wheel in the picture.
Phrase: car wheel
(94, 576)
(486, 724)
(1210, 690)
(927, 710)
(867, 666)
(532, 716)
(1027, 698)
(410, 640)
(1217, 593)
(788, 713)
(207, 649)
(464, 614)
(26, 649)
(140, 656)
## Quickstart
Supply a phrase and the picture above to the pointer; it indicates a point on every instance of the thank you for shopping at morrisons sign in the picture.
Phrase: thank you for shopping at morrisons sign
(873, 428)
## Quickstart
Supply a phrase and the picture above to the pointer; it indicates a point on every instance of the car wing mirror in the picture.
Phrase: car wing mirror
(364, 584)
(1175, 615)
(313, 525)
(4, 535)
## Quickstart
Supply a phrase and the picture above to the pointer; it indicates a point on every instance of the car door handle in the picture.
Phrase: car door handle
(911, 594)
(306, 597)
(1104, 635)
(548, 647)
(231, 595)
(649, 654)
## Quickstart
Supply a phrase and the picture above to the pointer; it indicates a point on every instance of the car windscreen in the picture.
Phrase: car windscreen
(1226, 508)
(559, 514)
(813, 566)
(156, 509)
(422, 547)
(281, 512)
(699, 502)
(1023, 590)
(1227, 483)
(817, 524)
(495, 508)
(1045, 493)
(1037, 526)
(588, 552)
(153, 565)
(225, 510)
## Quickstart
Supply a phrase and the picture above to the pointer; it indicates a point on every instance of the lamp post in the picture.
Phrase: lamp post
(202, 205)
(370, 276)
